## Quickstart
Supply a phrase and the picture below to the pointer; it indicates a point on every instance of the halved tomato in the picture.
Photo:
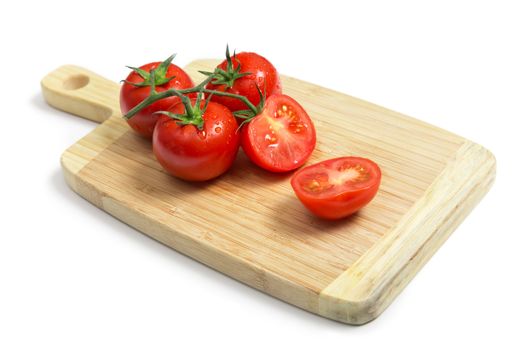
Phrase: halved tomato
(338, 187)
(281, 137)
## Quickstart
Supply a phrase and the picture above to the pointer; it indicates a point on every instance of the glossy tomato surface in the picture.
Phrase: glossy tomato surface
(197, 155)
(338, 187)
(281, 137)
(262, 71)
(144, 121)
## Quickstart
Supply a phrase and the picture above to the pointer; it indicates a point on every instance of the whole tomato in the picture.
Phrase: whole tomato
(196, 141)
(137, 87)
(243, 74)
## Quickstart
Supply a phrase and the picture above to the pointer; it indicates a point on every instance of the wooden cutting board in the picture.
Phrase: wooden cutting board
(248, 223)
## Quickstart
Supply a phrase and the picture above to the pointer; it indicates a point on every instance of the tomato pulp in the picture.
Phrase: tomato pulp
(337, 188)
(281, 137)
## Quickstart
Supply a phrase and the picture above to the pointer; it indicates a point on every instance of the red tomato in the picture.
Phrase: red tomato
(235, 81)
(338, 187)
(281, 137)
(144, 121)
(194, 154)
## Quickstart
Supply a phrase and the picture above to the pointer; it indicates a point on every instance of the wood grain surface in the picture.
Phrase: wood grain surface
(248, 223)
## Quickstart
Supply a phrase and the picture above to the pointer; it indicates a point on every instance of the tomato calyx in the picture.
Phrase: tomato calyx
(159, 75)
(249, 114)
(154, 96)
(226, 77)
(193, 114)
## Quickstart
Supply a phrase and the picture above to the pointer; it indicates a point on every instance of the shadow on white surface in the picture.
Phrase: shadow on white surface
(38, 102)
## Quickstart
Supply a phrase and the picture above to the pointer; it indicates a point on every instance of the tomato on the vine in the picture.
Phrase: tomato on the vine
(137, 87)
(242, 75)
(281, 137)
(337, 188)
(196, 141)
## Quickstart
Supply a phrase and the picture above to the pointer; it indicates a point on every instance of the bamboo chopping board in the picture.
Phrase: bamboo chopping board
(248, 223)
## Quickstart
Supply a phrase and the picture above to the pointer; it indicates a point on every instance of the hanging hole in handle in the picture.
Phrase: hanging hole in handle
(76, 82)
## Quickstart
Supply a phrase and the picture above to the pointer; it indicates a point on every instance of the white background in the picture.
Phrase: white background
(72, 277)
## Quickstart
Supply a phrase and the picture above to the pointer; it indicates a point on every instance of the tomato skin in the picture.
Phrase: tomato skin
(262, 70)
(293, 130)
(144, 121)
(340, 200)
(197, 155)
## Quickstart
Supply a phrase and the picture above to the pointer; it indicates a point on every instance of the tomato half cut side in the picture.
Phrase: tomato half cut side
(281, 137)
(336, 188)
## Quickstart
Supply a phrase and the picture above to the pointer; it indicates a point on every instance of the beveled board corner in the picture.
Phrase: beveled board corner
(365, 290)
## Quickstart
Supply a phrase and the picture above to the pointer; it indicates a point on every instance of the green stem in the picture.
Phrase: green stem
(152, 90)
(148, 101)
(200, 86)
(156, 96)
(239, 97)
(185, 100)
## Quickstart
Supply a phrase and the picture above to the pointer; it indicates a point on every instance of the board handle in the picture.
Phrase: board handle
(81, 92)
